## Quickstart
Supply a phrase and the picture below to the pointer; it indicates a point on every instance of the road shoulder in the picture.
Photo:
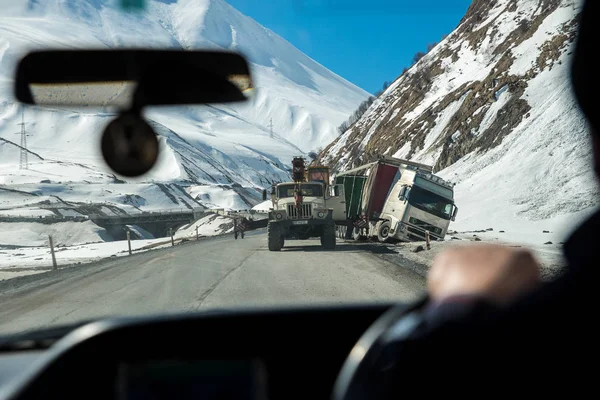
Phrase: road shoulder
(415, 256)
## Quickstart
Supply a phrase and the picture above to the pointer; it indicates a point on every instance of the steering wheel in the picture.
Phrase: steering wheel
(355, 379)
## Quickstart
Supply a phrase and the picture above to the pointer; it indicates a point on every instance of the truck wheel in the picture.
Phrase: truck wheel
(328, 237)
(383, 234)
(274, 237)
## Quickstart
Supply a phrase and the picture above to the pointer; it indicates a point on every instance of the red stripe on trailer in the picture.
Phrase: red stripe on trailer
(385, 176)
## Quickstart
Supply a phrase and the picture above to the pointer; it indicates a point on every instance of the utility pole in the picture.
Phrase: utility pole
(23, 161)
(129, 240)
(54, 266)
(271, 127)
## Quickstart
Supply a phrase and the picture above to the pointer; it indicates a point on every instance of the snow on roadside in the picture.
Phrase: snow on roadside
(23, 260)
(211, 225)
(39, 257)
(63, 233)
(264, 206)
(140, 232)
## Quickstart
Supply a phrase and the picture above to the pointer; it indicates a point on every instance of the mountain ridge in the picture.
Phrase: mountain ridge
(490, 107)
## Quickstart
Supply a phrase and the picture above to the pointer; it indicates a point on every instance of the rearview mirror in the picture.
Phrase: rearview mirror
(131, 79)
(455, 213)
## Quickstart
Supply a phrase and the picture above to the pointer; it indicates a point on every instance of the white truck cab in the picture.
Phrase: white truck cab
(418, 203)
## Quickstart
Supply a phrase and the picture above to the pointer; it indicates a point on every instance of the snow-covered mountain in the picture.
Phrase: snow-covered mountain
(212, 156)
(491, 108)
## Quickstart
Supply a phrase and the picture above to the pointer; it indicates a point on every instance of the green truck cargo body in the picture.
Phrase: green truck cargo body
(353, 189)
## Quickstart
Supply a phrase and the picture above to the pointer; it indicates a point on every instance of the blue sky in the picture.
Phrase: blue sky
(367, 42)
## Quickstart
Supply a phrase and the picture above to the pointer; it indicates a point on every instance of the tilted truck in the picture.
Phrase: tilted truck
(394, 199)
(305, 208)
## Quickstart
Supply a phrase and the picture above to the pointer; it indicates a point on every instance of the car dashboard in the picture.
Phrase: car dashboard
(251, 354)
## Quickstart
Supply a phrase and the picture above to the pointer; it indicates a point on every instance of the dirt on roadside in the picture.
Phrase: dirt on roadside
(417, 258)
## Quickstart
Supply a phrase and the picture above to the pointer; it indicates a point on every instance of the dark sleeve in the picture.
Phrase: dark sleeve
(467, 337)
(532, 315)
(455, 307)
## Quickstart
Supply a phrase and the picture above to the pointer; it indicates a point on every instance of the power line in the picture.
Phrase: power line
(23, 160)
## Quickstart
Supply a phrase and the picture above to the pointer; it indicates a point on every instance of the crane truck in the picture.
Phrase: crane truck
(306, 207)
(395, 199)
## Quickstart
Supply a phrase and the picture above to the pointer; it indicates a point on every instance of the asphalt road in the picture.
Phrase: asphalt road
(213, 273)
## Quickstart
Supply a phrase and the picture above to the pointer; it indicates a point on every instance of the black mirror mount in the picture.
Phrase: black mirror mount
(129, 145)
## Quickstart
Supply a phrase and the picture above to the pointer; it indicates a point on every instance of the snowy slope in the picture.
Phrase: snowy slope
(229, 146)
(491, 108)
(35, 258)
(63, 233)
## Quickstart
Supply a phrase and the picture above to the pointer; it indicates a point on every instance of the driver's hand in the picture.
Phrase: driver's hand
(491, 272)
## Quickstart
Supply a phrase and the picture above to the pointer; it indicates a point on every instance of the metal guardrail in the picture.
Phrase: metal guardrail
(42, 218)
(172, 216)
(149, 216)
(131, 218)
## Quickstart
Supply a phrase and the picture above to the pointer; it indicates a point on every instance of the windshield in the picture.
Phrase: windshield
(305, 189)
(432, 203)
(175, 208)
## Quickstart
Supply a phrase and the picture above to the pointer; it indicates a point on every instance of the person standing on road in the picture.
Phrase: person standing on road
(236, 227)
(240, 225)
(244, 225)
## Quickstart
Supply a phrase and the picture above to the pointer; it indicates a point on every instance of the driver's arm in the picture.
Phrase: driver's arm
(493, 273)
(478, 280)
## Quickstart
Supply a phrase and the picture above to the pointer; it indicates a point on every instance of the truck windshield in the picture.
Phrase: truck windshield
(307, 190)
(431, 202)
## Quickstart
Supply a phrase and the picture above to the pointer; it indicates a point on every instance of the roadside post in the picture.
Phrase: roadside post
(171, 234)
(427, 240)
(129, 240)
(196, 233)
(54, 266)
